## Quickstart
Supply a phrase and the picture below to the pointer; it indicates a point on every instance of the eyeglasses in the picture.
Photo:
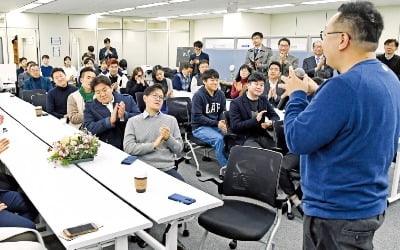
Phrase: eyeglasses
(322, 34)
(159, 97)
(139, 75)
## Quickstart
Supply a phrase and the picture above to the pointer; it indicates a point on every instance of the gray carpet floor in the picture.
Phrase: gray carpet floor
(288, 237)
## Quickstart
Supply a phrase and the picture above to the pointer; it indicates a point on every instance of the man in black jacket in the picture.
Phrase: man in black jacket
(389, 57)
(108, 52)
(251, 115)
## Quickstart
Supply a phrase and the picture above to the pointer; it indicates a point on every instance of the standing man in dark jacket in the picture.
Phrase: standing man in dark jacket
(106, 116)
(251, 115)
(107, 52)
(389, 57)
(208, 105)
(197, 56)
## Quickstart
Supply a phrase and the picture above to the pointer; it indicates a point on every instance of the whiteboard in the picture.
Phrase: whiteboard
(8, 73)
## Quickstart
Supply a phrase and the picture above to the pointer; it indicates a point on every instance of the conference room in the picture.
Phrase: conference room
(147, 33)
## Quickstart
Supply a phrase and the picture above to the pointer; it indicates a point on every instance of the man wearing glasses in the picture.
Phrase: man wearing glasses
(346, 135)
(283, 57)
(152, 136)
(107, 114)
(389, 57)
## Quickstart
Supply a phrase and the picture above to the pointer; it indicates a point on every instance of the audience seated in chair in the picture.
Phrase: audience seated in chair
(182, 79)
(208, 124)
(76, 100)
(152, 136)
(136, 83)
(117, 80)
(15, 208)
(107, 114)
(36, 81)
(251, 115)
(239, 86)
(197, 82)
(271, 88)
(56, 103)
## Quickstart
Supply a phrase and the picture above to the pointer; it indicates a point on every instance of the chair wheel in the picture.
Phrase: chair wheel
(221, 177)
(290, 216)
(187, 161)
(206, 158)
(198, 173)
(185, 233)
(233, 244)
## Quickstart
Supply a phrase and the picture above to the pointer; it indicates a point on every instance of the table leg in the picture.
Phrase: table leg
(121, 243)
(394, 195)
(171, 238)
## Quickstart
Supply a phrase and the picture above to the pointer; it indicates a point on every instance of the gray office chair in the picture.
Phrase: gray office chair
(180, 107)
(39, 100)
(251, 207)
(27, 94)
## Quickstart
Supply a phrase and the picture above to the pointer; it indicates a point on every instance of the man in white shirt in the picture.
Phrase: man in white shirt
(272, 89)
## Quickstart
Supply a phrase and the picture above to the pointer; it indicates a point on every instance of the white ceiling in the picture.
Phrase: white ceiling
(175, 9)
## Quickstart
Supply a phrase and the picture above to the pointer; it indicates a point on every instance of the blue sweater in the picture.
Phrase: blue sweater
(347, 136)
(56, 103)
(46, 70)
(207, 110)
(179, 82)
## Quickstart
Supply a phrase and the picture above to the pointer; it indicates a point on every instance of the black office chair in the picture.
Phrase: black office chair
(180, 108)
(39, 100)
(290, 161)
(252, 175)
(27, 94)
(140, 101)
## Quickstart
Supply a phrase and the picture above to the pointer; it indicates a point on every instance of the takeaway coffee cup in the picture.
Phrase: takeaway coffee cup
(140, 181)
(38, 110)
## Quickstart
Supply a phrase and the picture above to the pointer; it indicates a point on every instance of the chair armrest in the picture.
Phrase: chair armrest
(214, 180)
(276, 149)
(280, 200)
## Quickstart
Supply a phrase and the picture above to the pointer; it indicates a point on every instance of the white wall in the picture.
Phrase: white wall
(51, 25)
(206, 28)
(392, 25)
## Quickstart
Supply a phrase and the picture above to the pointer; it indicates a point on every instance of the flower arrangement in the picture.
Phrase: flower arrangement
(79, 146)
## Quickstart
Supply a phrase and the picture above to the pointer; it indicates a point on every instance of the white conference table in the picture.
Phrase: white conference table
(66, 196)
(394, 193)
(154, 203)
(108, 170)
